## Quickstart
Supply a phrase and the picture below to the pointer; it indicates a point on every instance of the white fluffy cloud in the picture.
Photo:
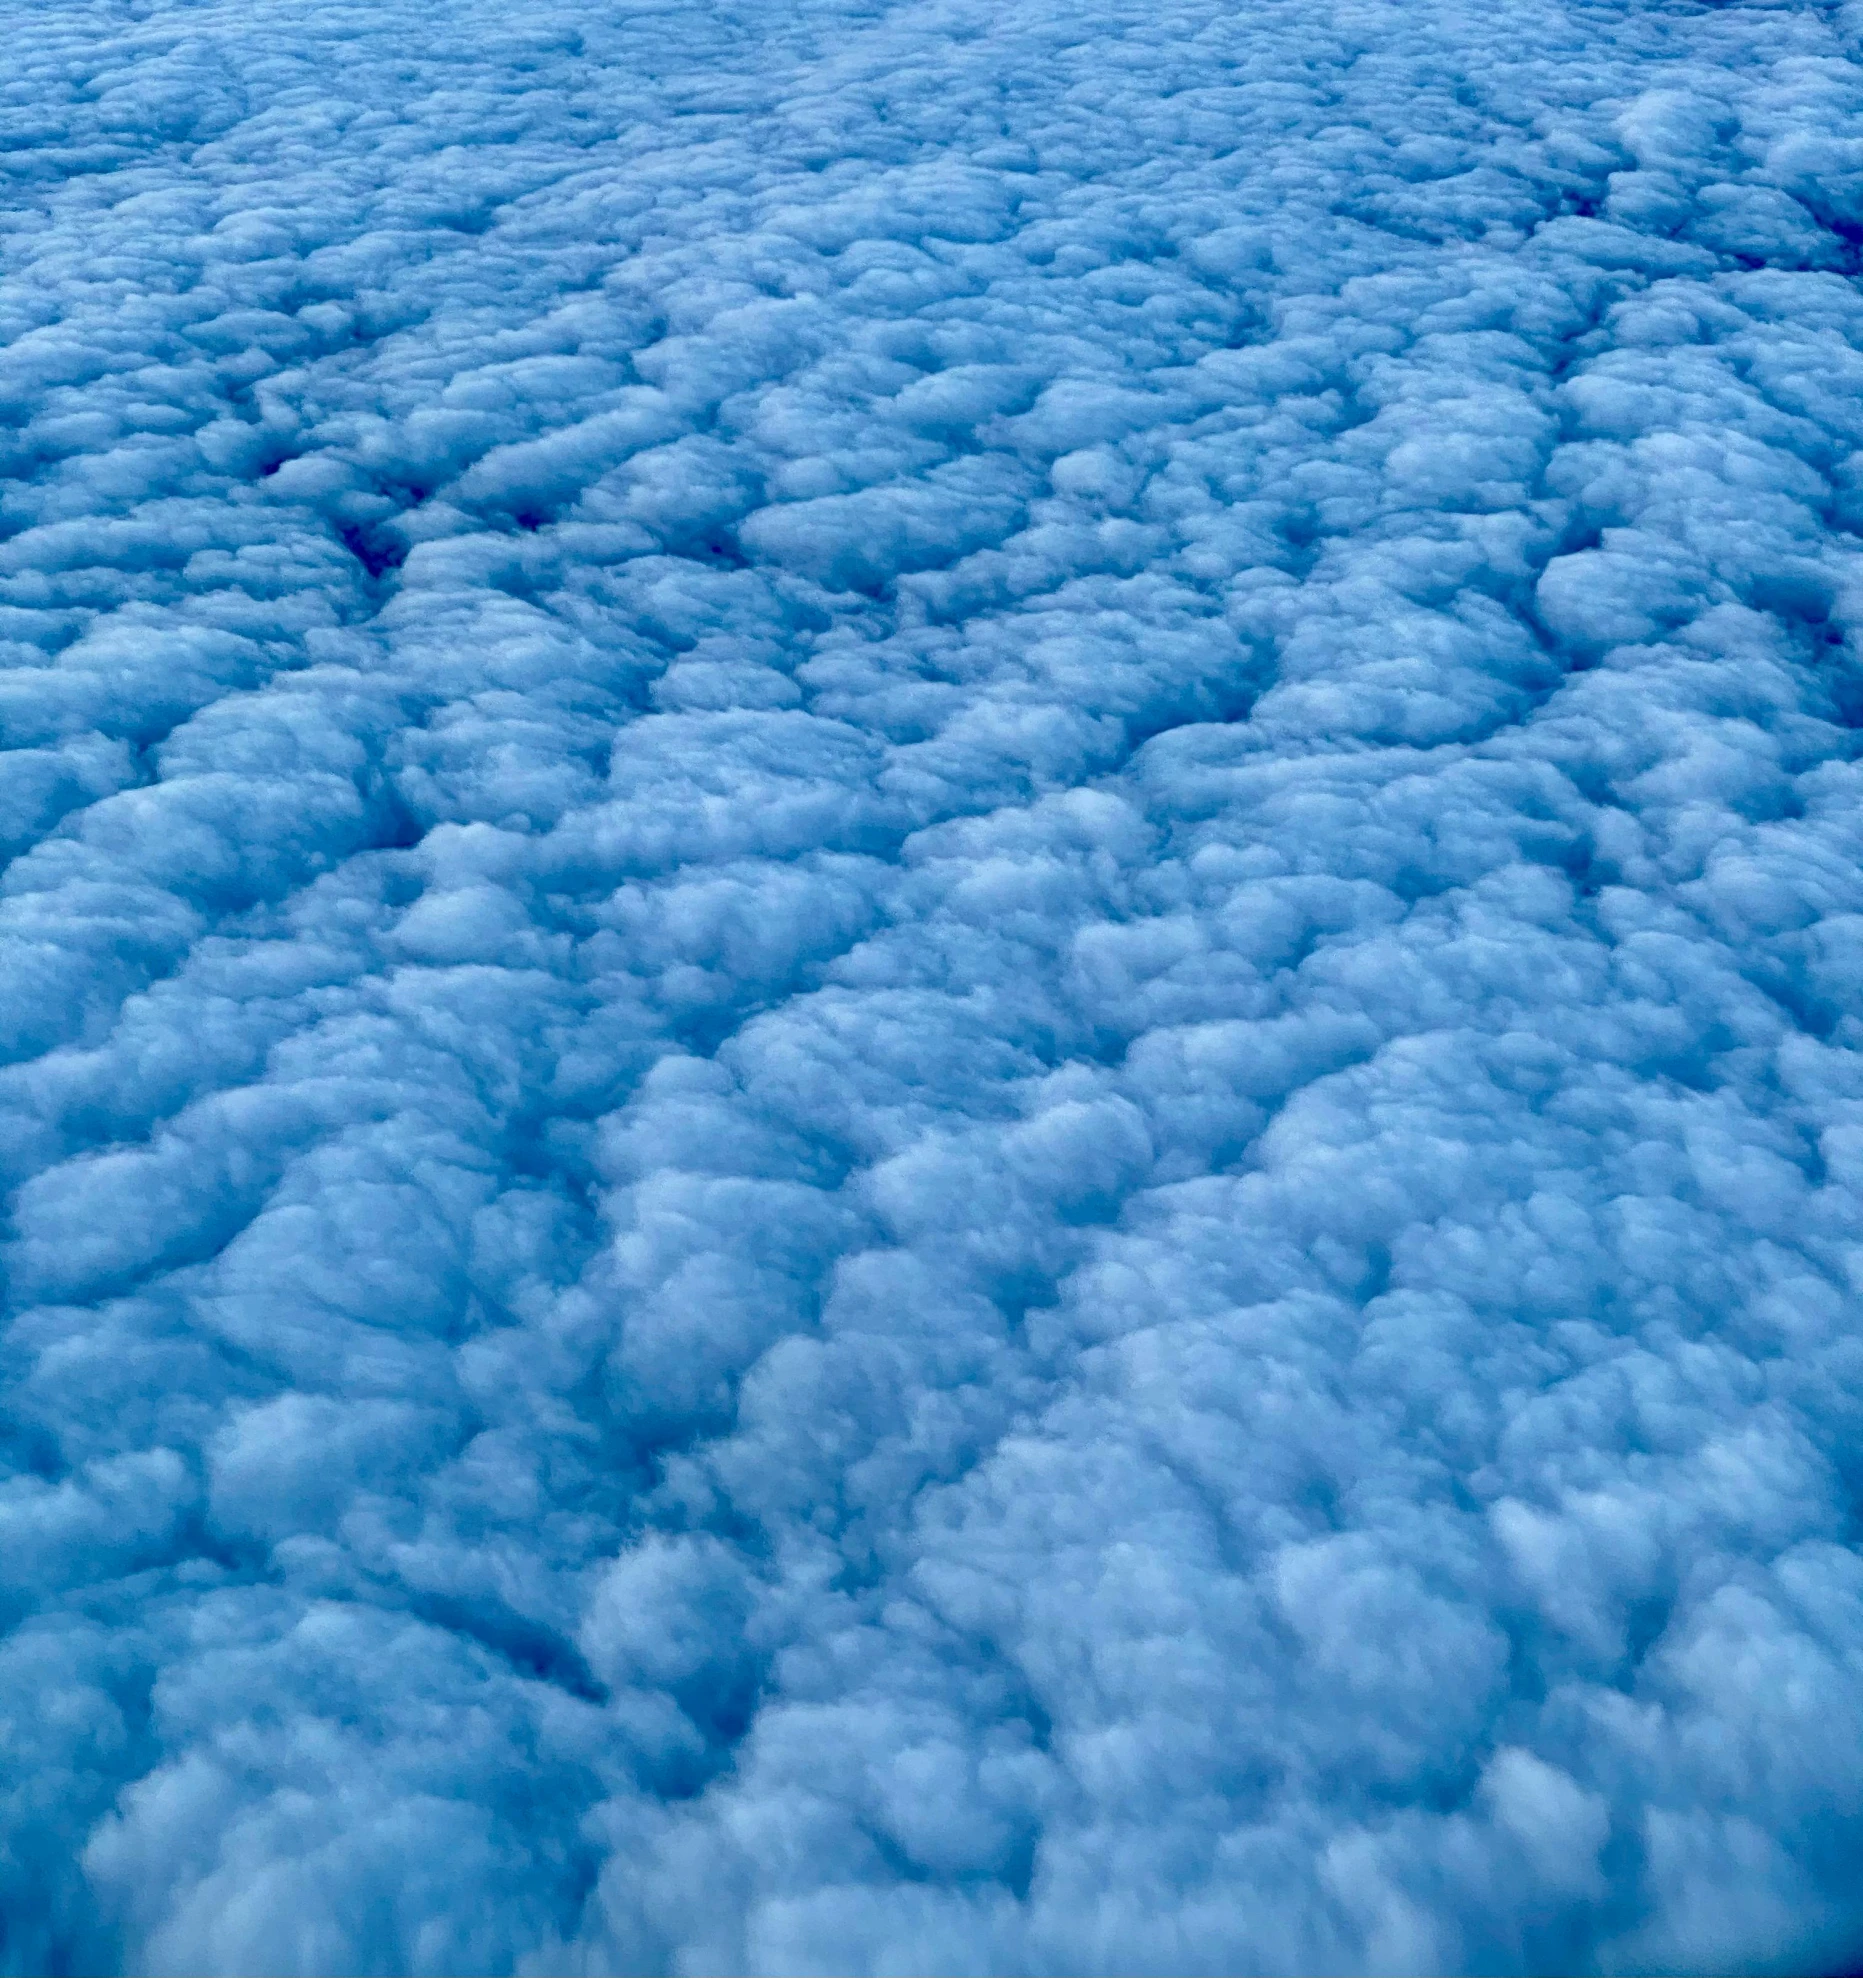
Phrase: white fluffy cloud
(932, 987)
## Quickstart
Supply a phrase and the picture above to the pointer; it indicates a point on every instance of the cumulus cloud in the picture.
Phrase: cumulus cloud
(932, 987)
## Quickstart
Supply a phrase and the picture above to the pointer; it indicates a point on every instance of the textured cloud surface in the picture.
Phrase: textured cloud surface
(932, 986)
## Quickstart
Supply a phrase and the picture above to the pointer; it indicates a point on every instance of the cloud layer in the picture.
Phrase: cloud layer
(932, 986)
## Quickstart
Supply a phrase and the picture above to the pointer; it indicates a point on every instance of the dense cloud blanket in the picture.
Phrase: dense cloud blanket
(932, 985)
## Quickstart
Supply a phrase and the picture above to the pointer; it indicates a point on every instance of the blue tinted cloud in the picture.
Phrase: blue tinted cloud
(931, 988)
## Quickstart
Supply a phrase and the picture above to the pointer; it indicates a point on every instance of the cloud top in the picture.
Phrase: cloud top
(930, 1016)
